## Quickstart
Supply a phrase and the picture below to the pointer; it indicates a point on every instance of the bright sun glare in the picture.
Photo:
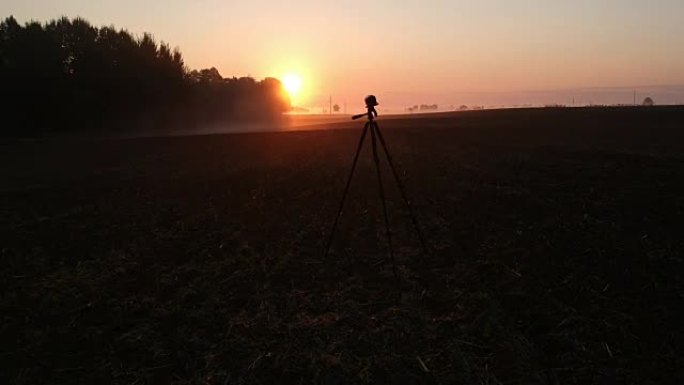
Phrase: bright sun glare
(292, 84)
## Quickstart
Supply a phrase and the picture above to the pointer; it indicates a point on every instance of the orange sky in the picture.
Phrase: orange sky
(409, 51)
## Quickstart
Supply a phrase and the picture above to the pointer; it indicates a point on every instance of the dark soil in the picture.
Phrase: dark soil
(555, 243)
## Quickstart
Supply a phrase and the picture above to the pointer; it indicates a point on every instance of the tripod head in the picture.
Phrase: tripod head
(371, 102)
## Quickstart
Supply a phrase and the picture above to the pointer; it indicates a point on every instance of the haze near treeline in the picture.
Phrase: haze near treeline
(485, 52)
(67, 75)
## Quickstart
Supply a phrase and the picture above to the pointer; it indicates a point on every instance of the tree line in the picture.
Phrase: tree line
(68, 75)
(423, 107)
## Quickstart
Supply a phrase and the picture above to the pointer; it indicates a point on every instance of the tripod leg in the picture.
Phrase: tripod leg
(346, 189)
(373, 126)
(401, 189)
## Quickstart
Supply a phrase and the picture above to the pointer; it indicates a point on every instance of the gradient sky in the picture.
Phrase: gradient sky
(408, 51)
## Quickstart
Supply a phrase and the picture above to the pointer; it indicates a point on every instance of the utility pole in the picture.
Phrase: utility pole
(330, 104)
(635, 98)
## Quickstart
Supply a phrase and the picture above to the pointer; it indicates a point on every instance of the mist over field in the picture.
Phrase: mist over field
(397, 102)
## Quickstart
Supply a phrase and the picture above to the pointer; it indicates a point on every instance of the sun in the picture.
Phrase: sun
(292, 84)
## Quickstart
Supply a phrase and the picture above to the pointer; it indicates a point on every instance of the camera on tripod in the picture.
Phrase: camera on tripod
(371, 102)
(376, 135)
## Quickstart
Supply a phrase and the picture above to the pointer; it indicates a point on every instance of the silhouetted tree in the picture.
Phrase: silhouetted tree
(69, 75)
(648, 102)
(336, 108)
(429, 107)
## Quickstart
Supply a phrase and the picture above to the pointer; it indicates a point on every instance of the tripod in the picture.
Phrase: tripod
(372, 126)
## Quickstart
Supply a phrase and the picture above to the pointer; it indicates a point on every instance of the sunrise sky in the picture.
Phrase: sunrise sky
(432, 51)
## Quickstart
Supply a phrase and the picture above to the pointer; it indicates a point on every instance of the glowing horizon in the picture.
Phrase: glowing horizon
(420, 51)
